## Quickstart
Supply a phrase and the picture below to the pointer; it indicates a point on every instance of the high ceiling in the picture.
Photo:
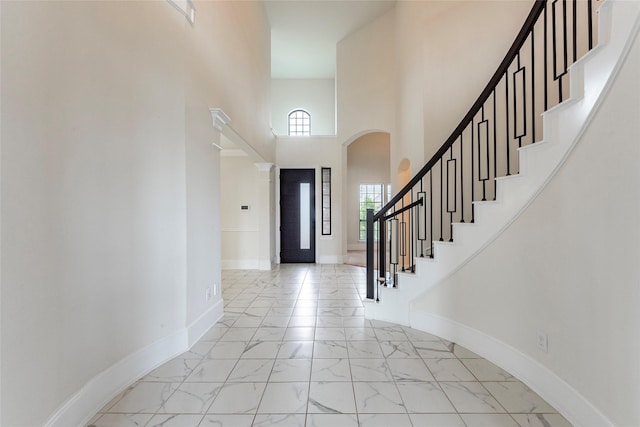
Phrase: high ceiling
(304, 33)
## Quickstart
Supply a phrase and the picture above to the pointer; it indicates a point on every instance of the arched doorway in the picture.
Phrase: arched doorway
(368, 186)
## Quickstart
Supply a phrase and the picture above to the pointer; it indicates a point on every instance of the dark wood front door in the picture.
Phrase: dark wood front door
(297, 215)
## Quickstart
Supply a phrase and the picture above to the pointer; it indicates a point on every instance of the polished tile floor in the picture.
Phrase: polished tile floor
(294, 349)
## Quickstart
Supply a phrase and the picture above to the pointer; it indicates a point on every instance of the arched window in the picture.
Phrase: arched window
(299, 123)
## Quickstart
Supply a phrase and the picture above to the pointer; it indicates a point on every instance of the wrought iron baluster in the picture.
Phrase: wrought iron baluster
(473, 178)
(495, 149)
(483, 143)
(519, 80)
(422, 219)
(394, 242)
(451, 199)
(506, 110)
(575, 30)
(414, 231)
(382, 243)
(431, 213)
(402, 238)
(565, 50)
(461, 179)
(412, 242)
(590, 22)
(533, 87)
(545, 66)
(441, 204)
(559, 76)
(370, 253)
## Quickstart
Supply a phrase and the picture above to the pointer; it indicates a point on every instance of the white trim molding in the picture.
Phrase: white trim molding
(246, 264)
(202, 324)
(220, 119)
(564, 398)
(264, 167)
(84, 404)
(329, 259)
(185, 7)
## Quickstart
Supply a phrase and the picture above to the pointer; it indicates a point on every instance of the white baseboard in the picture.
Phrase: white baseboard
(246, 264)
(240, 264)
(564, 398)
(202, 324)
(79, 408)
(82, 406)
(329, 259)
(264, 265)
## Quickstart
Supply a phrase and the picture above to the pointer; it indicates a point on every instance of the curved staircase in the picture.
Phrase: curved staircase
(563, 124)
(412, 267)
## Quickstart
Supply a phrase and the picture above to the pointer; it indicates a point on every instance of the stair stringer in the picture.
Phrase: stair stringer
(563, 126)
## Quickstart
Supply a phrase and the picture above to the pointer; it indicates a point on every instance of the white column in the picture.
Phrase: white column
(265, 204)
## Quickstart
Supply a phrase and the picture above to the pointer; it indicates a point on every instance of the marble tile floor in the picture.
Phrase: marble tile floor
(294, 349)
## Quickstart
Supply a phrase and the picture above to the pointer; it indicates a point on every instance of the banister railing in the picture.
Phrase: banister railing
(532, 77)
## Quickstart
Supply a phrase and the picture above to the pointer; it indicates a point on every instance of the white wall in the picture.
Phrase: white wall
(241, 89)
(93, 164)
(231, 45)
(408, 72)
(316, 96)
(407, 140)
(568, 265)
(367, 163)
(315, 153)
(364, 79)
(460, 53)
(240, 228)
(202, 171)
(445, 54)
(110, 200)
(389, 74)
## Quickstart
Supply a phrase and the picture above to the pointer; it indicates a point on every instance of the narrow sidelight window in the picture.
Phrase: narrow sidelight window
(326, 201)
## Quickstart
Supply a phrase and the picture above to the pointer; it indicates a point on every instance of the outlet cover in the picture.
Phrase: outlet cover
(207, 294)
